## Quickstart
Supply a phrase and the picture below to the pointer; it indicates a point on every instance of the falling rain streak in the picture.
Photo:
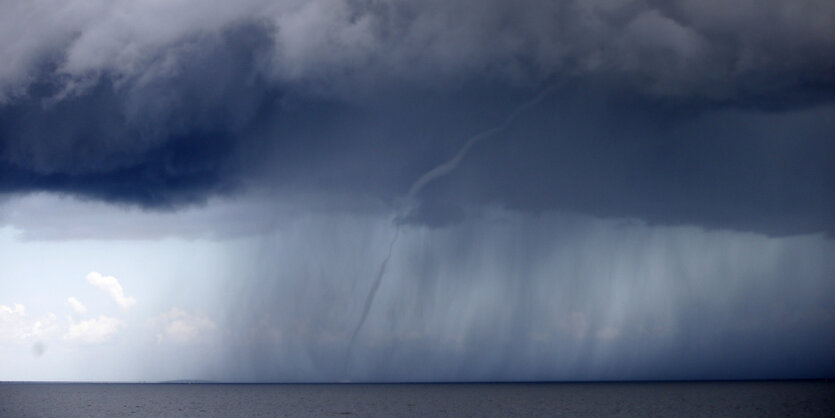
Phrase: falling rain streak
(434, 174)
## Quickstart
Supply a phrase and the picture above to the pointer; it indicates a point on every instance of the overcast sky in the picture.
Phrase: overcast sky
(386, 190)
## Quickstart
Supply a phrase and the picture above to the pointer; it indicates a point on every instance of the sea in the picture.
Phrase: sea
(636, 399)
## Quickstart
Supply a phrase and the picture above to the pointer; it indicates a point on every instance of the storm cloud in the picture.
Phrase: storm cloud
(718, 114)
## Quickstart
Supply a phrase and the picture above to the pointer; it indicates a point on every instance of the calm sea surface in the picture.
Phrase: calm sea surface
(536, 399)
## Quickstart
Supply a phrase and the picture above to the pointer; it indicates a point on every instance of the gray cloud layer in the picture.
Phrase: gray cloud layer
(715, 113)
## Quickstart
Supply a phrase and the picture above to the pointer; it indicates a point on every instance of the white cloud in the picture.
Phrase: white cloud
(12, 322)
(94, 331)
(76, 305)
(16, 310)
(182, 327)
(110, 285)
(17, 327)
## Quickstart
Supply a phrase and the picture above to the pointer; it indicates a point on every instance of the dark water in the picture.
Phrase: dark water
(813, 399)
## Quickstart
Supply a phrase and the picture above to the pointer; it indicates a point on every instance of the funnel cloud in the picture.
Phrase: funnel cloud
(434, 174)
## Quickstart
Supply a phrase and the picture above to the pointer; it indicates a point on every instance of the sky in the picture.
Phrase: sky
(386, 190)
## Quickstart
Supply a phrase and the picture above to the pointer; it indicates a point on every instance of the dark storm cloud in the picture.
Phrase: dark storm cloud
(714, 113)
(663, 162)
(175, 138)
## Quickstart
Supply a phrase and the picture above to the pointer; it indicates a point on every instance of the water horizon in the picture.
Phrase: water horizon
(635, 398)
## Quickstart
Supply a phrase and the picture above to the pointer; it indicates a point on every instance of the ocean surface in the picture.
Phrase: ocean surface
(779, 399)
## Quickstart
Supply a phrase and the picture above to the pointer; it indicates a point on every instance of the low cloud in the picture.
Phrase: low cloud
(111, 286)
(76, 305)
(8, 312)
(94, 331)
(16, 326)
(182, 327)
